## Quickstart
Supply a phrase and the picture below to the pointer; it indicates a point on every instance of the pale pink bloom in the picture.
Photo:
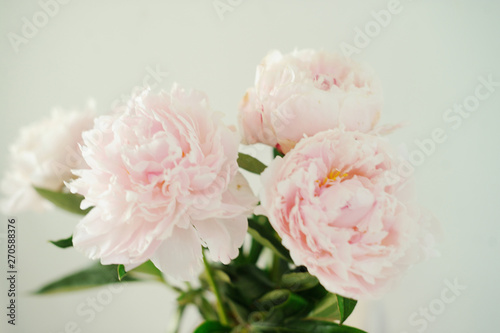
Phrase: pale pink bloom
(164, 181)
(342, 210)
(307, 92)
(43, 156)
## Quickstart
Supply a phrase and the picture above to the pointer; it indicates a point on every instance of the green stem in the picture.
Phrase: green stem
(278, 267)
(255, 252)
(175, 323)
(215, 289)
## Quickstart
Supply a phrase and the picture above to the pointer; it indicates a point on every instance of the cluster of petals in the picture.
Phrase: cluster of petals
(306, 92)
(164, 181)
(341, 209)
(161, 175)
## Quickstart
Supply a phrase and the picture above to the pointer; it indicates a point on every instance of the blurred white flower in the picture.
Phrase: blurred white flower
(43, 156)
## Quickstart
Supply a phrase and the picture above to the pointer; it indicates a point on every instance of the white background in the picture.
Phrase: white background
(429, 57)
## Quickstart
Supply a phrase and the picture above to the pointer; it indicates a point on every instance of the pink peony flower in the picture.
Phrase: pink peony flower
(307, 92)
(341, 209)
(164, 181)
(43, 156)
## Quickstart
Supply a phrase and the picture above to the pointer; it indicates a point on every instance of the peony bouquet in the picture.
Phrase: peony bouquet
(160, 186)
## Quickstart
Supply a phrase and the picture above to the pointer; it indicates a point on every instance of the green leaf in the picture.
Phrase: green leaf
(314, 294)
(63, 243)
(278, 267)
(255, 252)
(318, 326)
(239, 312)
(299, 281)
(94, 276)
(148, 268)
(67, 201)
(121, 271)
(277, 153)
(247, 283)
(272, 298)
(326, 309)
(346, 306)
(207, 310)
(212, 327)
(263, 232)
(282, 304)
(250, 163)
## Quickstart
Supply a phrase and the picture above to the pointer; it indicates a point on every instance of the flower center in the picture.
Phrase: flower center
(332, 176)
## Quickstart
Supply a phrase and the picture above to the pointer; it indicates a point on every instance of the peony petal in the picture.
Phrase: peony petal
(180, 255)
(223, 237)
